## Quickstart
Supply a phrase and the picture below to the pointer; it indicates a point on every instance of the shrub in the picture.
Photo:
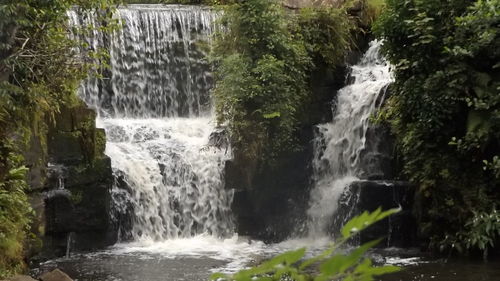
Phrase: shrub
(445, 109)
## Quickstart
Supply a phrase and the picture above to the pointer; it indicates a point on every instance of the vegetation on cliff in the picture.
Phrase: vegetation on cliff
(264, 59)
(39, 73)
(445, 113)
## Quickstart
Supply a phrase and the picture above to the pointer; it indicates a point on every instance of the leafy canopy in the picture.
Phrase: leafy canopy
(445, 110)
(264, 59)
(39, 72)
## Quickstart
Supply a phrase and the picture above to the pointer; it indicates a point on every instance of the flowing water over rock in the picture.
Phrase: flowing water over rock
(172, 181)
(158, 63)
(338, 144)
(154, 104)
(169, 201)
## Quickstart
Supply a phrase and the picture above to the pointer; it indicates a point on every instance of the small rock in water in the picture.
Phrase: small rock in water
(55, 275)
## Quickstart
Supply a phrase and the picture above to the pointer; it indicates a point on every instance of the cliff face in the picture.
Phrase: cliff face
(70, 180)
(270, 201)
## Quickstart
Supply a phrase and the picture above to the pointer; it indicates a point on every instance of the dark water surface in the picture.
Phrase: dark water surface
(147, 266)
(448, 271)
(105, 267)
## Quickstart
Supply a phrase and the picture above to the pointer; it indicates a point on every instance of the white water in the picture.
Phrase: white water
(336, 166)
(158, 68)
(173, 179)
(338, 144)
(155, 107)
(237, 252)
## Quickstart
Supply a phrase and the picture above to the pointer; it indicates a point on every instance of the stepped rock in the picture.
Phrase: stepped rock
(55, 275)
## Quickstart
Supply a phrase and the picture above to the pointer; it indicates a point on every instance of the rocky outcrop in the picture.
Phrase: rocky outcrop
(71, 180)
(398, 230)
(55, 275)
(270, 200)
(266, 204)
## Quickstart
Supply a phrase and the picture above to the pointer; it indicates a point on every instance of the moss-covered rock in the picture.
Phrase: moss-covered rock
(73, 197)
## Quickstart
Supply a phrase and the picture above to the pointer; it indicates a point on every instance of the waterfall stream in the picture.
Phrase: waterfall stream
(169, 198)
(155, 107)
(338, 145)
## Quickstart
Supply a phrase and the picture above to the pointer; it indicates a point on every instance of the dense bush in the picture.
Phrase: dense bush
(445, 113)
(185, 2)
(39, 71)
(264, 59)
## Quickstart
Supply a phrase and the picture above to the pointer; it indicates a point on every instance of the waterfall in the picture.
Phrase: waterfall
(155, 107)
(339, 144)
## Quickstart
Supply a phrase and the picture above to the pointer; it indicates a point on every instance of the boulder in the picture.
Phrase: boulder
(399, 230)
(55, 275)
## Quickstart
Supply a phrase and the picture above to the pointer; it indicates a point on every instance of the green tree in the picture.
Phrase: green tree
(264, 58)
(445, 111)
(39, 72)
(261, 79)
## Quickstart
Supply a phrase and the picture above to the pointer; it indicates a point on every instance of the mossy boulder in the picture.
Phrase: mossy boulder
(77, 184)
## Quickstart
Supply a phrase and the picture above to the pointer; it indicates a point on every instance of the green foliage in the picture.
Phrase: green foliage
(264, 61)
(185, 2)
(14, 217)
(445, 109)
(374, 9)
(39, 72)
(261, 80)
(326, 33)
(331, 264)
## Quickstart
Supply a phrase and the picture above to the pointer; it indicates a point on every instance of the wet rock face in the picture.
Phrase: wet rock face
(377, 159)
(399, 230)
(55, 275)
(270, 202)
(72, 197)
(267, 203)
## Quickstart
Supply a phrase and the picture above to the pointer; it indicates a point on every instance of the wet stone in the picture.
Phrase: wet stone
(55, 275)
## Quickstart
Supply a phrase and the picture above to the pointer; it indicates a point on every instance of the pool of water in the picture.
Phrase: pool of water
(197, 258)
(448, 270)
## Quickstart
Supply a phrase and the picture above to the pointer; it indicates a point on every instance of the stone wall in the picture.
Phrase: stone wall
(70, 179)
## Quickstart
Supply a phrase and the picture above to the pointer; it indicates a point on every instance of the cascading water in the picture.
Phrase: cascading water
(155, 107)
(339, 144)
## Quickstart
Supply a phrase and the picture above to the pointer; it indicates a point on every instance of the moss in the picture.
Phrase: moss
(76, 196)
(100, 142)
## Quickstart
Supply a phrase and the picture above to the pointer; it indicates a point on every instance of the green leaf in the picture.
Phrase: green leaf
(271, 115)
(364, 220)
